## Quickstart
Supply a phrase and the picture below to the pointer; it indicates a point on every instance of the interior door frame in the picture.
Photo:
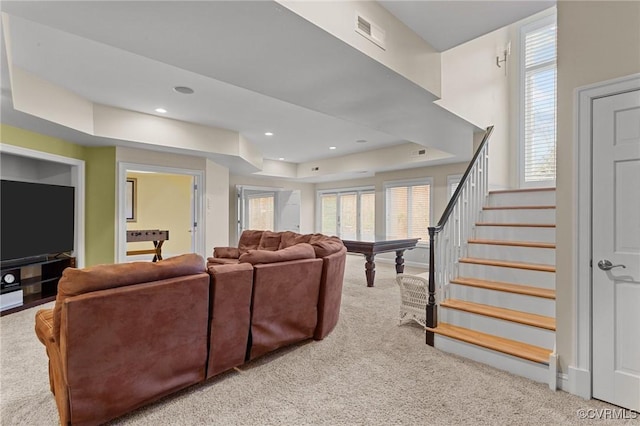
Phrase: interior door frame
(198, 204)
(580, 369)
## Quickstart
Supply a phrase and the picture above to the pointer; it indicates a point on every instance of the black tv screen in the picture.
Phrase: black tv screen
(37, 219)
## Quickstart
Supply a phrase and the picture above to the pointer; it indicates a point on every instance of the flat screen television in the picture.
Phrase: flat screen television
(36, 219)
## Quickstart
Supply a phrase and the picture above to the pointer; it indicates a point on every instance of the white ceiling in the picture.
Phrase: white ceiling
(254, 66)
(446, 24)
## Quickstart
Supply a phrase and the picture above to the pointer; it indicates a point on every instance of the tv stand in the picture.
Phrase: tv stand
(38, 280)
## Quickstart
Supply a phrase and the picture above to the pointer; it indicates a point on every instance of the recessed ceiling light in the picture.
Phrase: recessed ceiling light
(281, 158)
(361, 141)
(268, 133)
(161, 110)
(183, 89)
(332, 147)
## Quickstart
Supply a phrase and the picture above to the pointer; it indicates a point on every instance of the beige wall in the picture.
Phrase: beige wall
(597, 41)
(474, 88)
(163, 202)
(217, 206)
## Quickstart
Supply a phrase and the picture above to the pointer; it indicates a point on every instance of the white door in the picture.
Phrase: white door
(616, 241)
(288, 211)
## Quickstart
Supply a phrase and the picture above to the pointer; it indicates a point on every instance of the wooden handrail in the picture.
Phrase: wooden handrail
(432, 307)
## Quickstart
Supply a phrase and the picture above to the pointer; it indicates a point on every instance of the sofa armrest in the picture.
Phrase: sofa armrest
(44, 326)
(330, 296)
(230, 316)
(226, 252)
(57, 381)
(285, 304)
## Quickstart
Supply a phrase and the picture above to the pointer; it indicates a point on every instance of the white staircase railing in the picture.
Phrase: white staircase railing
(448, 239)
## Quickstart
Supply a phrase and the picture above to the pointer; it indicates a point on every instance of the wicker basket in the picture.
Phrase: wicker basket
(413, 298)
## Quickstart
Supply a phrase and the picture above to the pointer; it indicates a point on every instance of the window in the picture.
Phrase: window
(452, 183)
(538, 112)
(349, 214)
(260, 212)
(408, 209)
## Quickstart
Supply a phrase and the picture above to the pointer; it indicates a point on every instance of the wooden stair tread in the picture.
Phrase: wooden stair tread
(500, 344)
(518, 207)
(507, 191)
(526, 318)
(506, 287)
(518, 225)
(508, 264)
(534, 244)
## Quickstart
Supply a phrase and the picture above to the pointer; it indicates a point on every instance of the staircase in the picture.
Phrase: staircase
(499, 309)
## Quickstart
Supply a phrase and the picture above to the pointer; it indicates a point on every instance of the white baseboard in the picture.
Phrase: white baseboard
(553, 371)
(579, 382)
(562, 381)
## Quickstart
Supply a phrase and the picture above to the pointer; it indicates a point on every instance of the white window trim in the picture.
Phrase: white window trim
(521, 99)
(451, 179)
(397, 183)
(358, 190)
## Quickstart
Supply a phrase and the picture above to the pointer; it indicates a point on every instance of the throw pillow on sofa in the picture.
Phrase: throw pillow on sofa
(269, 241)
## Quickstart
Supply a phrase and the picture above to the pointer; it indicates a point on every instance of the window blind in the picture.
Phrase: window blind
(260, 209)
(408, 211)
(540, 104)
(348, 214)
(329, 214)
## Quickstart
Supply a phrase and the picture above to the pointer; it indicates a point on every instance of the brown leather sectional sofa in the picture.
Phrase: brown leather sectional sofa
(121, 336)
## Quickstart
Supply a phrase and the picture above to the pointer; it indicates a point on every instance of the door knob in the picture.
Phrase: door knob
(606, 265)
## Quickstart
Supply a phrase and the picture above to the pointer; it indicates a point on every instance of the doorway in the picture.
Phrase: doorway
(266, 208)
(616, 249)
(606, 361)
(162, 198)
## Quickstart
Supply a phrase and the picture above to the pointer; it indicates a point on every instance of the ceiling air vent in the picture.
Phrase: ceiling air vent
(370, 31)
(419, 153)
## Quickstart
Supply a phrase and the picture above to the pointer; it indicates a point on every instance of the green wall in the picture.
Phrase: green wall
(100, 204)
(100, 187)
(30, 140)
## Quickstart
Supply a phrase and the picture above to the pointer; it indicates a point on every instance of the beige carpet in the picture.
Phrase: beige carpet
(369, 371)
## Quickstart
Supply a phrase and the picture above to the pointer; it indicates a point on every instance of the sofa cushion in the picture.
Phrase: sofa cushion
(299, 251)
(226, 252)
(249, 240)
(314, 238)
(329, 245)
(288, 239)
(101, 277)
(269, 241)
(221, 261)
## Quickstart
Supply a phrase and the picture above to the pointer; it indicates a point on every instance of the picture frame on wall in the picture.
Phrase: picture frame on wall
(131, 195)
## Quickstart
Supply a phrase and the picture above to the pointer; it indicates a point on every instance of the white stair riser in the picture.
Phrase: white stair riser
(546, 216)
(503, 299)
(520, 367)
(508, 275)
(498, 327)
(534, 198)
(544, 256)
(514, 233)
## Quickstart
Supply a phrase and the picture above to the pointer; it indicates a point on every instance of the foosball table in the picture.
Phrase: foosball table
(157, 236)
